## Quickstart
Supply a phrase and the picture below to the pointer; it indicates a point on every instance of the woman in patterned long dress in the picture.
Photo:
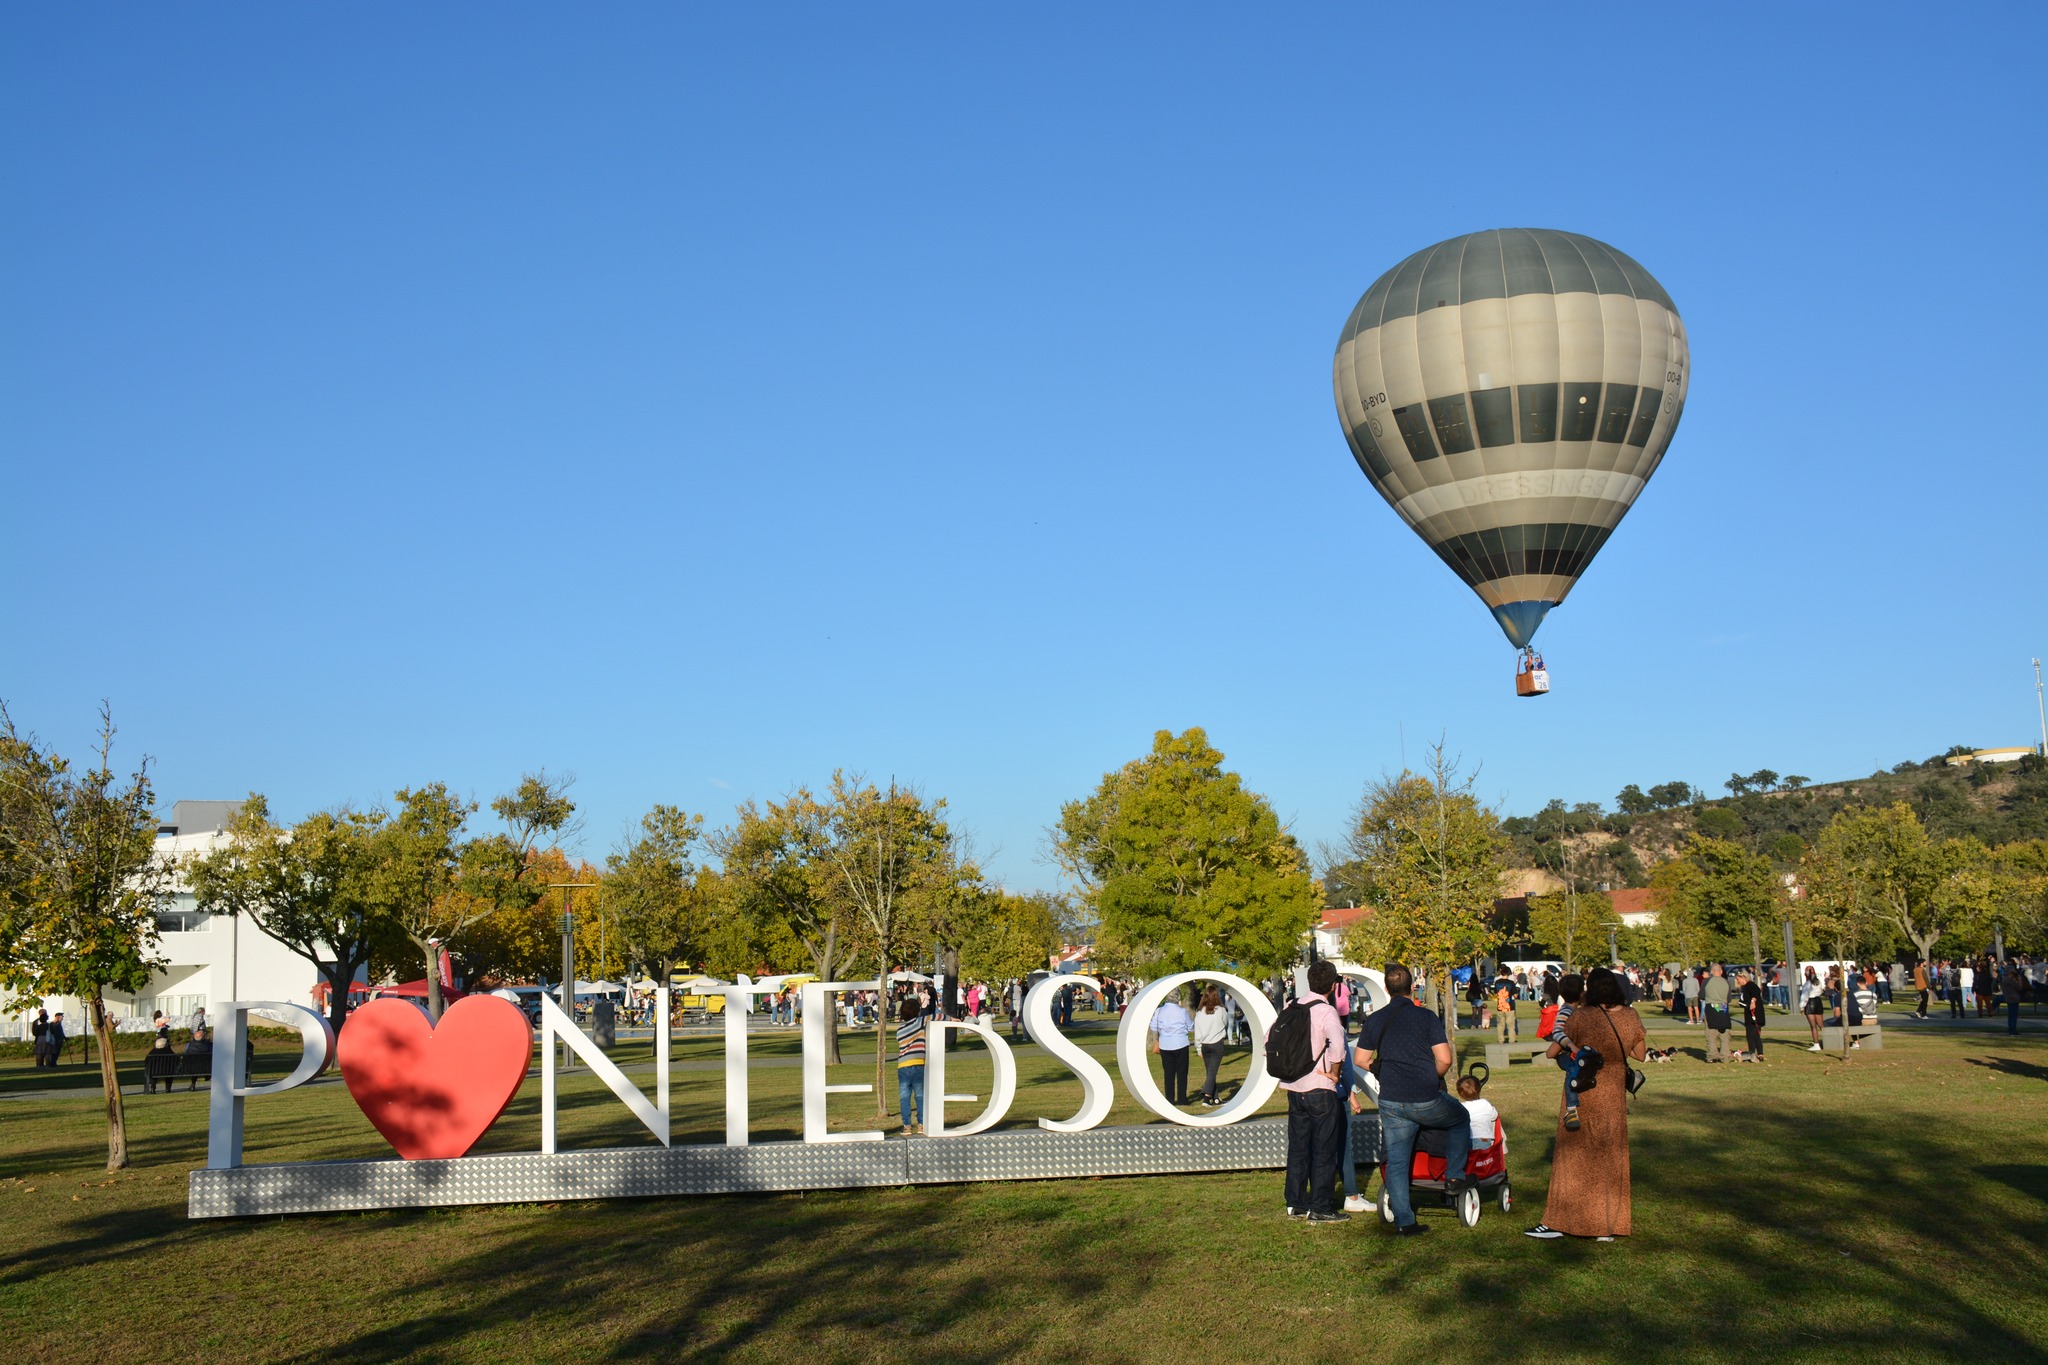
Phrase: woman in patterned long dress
(1589, 1178)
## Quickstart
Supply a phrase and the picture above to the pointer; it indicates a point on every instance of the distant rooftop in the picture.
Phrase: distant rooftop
(2012, 755)
(199, 817)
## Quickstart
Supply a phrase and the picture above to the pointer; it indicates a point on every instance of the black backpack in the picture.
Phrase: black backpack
(1290, 1051)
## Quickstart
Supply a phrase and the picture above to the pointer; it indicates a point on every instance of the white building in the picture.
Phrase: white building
(209, 959)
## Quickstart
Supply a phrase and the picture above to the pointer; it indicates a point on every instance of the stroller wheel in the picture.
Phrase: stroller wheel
(1468, 1207)
(1386, 1205)
(1506, 1197)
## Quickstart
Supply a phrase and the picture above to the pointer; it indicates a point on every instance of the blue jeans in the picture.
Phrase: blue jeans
(1400, 1123)
(910, 1093)
(1347, 1163)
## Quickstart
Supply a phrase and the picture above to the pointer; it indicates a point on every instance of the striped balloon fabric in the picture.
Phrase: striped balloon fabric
(1509, 392)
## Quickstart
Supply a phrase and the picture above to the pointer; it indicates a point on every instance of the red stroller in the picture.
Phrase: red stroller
(1486, 1170)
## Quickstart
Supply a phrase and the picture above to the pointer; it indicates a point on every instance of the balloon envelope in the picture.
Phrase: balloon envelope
(1509, 393)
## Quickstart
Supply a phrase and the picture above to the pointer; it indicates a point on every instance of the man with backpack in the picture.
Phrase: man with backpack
(1414, 1055)
(1305, 1053)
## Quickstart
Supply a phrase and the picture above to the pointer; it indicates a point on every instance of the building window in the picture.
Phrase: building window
(1539, 412)
(1493, 412)
(1453, 428)
(1415, 431)
(1581, 412)
(1646, 417)
(1619, 407)
(177, 915)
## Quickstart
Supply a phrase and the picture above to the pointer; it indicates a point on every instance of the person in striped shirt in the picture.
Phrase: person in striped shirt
(910, 1067)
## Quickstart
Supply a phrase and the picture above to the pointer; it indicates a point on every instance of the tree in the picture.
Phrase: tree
(1633, 801)
(1919, 889)
(1434, 857)
(1838, 908)
(80, 883)
(2021, 886)
(1669, 794)
(1679, 933)
(652, 893)
(438, 880)
(772, 870)
(1010, 935)
(1763, 780)
(1794, 781)
(521, 940)
(898, 863)
(1719, 822)
(1737, 784)
(307, 886)
(731, 939)
(1571, 922)
(1735, 887)
(1183, 866)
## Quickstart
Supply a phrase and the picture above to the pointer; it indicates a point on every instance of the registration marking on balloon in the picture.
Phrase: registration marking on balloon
(413, 1084)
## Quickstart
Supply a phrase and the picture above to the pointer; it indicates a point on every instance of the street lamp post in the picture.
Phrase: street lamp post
(569, 960)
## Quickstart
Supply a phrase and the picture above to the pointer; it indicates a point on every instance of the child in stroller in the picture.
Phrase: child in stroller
(1486, 1169)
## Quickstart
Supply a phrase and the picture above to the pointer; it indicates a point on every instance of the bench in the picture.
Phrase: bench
(165, 1065)
(1499, 1055)
(1864, 1035)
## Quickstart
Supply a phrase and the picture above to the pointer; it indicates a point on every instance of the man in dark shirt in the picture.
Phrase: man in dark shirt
(1752, 997)
(1414, 1056)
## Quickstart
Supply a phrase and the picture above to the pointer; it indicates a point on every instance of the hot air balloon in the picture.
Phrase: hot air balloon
(1509, 393)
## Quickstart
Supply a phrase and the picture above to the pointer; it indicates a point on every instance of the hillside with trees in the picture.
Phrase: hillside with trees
(1777, 817)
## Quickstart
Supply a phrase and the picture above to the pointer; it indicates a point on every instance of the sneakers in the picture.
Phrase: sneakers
(1293, 1212)
(1356, 1204)
(1814, 1048)
(1544, 1231)
(1329, 1218)
(1571, 1119)
(1603, 1239)
(1415, 1230)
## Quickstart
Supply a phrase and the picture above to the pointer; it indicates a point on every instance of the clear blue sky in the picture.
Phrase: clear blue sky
(698, 401)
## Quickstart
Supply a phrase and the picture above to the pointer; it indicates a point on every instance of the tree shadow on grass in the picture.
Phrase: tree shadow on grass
(1765, 1228)
(2011, 1067)
(848, 1273)
(2031, 1181)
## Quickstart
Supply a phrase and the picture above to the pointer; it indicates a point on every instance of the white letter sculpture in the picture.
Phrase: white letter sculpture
(555, 1024)
(1098, 1091)
(230, 1083)
(739, 1006)
(1133, 1034)
(818, 1018)
(935, 1077)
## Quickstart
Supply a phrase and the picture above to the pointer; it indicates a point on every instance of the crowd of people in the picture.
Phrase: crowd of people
(1402, 1057)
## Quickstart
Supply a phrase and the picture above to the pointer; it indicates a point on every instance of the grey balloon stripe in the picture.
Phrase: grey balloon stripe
(1501, 263)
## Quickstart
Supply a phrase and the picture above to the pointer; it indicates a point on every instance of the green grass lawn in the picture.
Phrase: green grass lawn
(1893, 1208)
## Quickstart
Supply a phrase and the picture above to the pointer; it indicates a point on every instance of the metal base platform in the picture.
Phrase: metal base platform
(655, 1172)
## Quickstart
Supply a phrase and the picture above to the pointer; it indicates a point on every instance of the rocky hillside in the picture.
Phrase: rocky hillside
(1774, 815)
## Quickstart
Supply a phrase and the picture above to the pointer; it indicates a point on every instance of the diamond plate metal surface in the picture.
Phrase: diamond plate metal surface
(645, 1172)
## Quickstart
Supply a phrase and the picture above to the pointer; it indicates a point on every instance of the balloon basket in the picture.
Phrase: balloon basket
(1533, 683)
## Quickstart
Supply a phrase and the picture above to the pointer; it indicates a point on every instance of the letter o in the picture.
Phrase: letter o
(1131, 1034)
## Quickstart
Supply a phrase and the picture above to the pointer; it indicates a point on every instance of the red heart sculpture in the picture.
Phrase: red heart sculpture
(433, 1091)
